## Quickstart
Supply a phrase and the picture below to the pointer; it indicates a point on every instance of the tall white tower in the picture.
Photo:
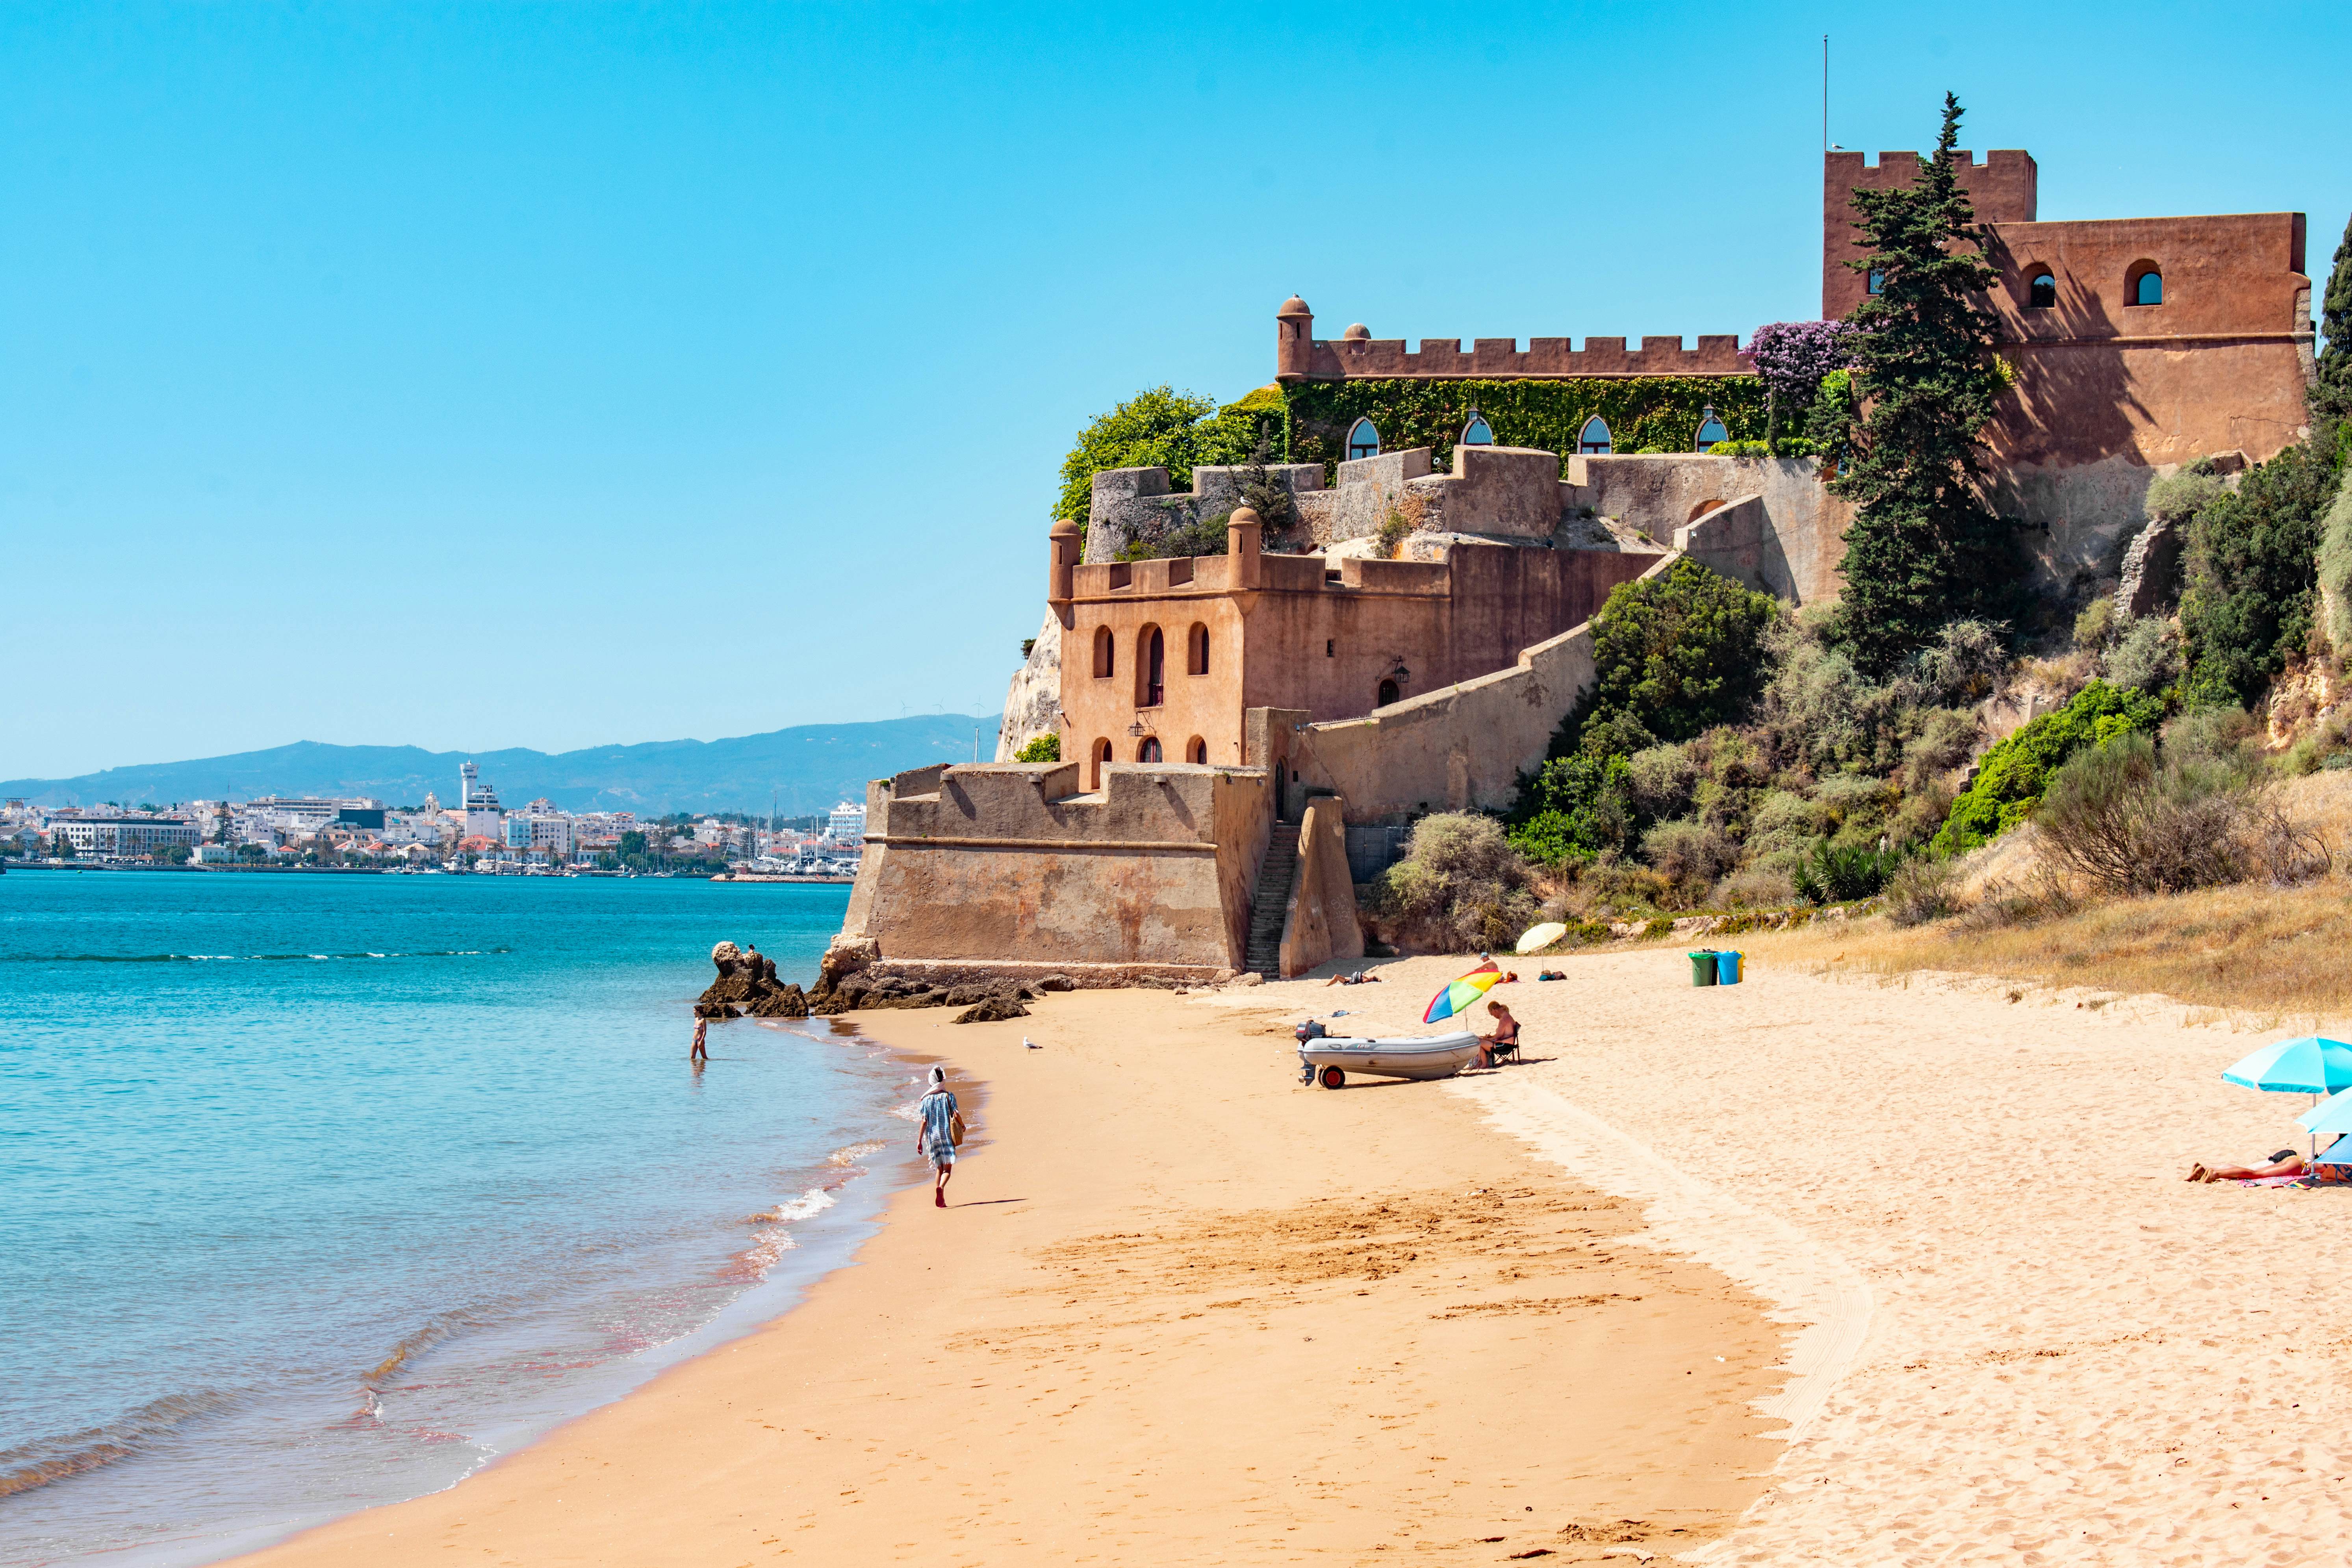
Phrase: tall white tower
(479, 802)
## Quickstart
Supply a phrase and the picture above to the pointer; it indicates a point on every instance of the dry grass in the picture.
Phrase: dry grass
(2276, 952)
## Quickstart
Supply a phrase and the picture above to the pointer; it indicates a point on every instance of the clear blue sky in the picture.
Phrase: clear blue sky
(485, 374)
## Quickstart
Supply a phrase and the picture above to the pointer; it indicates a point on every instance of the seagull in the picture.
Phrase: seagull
(1030, 1043)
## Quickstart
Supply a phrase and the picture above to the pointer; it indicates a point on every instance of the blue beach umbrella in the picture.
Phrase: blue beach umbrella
(2332, 1114)
(2307, 1066)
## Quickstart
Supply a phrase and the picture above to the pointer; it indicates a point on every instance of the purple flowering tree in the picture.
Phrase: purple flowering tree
(1793, 356)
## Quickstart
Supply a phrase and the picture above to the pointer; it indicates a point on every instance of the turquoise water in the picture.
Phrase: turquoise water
(320, 1191)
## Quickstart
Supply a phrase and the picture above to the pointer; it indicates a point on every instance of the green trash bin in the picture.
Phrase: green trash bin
(1703, 967)
(1727, 967)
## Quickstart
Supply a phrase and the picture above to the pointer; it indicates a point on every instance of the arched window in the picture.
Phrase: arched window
(1478, 433)
(1877, 283)
(1150, 668)
(1388, 694)
(1594, 438)
(1149, 750)
(1364, 440)
(1103, 655)
(1196, 650)
(2145, 285)
(1710, 429)
(1196, 750)
(2041, 292)
(1102, 755)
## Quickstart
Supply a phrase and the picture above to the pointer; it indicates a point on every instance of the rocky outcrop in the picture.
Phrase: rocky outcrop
(852, 977)
(747, 987)
(1033, 703)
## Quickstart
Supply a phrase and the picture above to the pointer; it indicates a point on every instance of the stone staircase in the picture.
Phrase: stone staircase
(1275, 875)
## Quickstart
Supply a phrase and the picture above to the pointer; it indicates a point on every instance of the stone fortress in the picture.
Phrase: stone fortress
(1245, 735)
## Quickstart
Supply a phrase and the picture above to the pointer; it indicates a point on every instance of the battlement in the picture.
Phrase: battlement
(2004, 188)
(1502, 359)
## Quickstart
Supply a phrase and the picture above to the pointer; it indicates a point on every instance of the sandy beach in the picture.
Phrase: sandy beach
(2067, 1354)
(1184, 1310)
(1189, 1310)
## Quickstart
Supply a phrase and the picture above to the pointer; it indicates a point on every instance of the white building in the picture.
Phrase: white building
(124, 834)
(479, 803)
(846, 824)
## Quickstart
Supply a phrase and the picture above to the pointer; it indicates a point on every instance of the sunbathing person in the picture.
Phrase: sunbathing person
(1360, 977)
(2286, 1163)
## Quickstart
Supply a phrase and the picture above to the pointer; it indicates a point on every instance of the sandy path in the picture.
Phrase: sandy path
(1186, 1310)
(2072, 1356)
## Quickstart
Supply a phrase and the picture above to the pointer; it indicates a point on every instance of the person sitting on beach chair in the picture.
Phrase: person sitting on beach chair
(1504, 1041)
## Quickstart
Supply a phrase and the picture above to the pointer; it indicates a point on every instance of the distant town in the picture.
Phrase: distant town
(478, 836)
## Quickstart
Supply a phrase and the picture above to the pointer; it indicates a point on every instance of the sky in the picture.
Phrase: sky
(482, 375)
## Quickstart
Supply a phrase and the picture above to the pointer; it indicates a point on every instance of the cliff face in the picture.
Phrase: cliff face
(1033, 703)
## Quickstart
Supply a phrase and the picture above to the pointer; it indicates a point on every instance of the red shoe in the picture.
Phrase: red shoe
(938, 1197)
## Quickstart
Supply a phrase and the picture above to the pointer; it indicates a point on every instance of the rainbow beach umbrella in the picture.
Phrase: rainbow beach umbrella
(1459, 995)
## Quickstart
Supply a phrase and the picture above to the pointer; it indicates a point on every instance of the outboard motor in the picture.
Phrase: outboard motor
(1312, 1029)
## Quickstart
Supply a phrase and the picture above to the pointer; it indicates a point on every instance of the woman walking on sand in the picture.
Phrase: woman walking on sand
(939, 1126)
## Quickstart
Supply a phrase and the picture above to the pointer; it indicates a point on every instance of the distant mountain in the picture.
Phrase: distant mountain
(808, 768)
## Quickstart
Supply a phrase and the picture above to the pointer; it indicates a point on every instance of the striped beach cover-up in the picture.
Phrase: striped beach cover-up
(938, 1142)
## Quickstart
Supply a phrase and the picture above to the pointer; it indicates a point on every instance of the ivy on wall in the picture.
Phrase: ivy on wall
(1660, 412)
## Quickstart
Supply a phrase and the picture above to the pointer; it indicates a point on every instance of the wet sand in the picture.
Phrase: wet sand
(1183, 1309)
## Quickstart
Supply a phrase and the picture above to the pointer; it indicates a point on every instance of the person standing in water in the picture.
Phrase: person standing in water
(701, 1052)
(939, 1124)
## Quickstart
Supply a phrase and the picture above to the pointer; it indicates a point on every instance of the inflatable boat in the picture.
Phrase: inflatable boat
(1332, 1058)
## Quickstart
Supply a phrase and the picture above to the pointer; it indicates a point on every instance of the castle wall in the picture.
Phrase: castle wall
(2110, 394)
(1319, 922)
(1455, 749)
(2004, 188)
(1001, 862)
(1659, 495)
(1126, 505)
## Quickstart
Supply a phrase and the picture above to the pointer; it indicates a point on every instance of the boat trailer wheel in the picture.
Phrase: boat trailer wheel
(1332, 1077)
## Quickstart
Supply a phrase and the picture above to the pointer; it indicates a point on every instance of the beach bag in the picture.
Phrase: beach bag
(955, 1129)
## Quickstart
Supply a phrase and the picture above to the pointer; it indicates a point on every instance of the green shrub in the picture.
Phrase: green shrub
(2253, 574)
(1689, 855)
(1677, 653)
(1837, 875)
(1745, 449)
(2146, 656)
(2010, 781)
(1160, 428)
(2178, 497)
(1923, 889)
(1201, 536)
(1040, 749)
(2093, 627)
(2133, 822)
(1395, 528)
(1460, 888)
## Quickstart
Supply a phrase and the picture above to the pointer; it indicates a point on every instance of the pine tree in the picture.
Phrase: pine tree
(2331, 394)
(1923, 549)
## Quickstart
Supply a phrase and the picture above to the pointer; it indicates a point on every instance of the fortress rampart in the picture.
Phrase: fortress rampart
(1299, 355)
(1156, 868)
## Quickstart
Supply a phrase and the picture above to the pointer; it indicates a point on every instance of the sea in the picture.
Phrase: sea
(319, 1191)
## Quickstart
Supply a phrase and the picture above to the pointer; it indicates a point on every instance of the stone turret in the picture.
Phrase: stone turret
(1063, 545)
(1294, 339)
(1244, 534)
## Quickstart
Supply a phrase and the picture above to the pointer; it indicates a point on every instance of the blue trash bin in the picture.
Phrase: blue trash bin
(1726, 968)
